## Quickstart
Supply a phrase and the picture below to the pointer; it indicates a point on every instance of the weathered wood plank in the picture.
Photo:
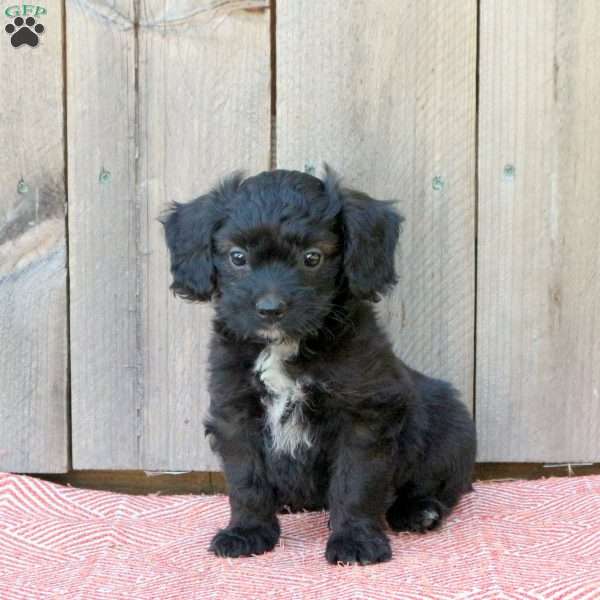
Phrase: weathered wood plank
(103, 220)
(538, 331)
(33, 307)
(385, 92)
(204, 111)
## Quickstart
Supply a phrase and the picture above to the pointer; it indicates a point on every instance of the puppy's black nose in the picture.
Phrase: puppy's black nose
(271, 307)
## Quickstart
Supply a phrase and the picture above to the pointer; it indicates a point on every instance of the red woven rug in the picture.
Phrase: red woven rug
(523, 539)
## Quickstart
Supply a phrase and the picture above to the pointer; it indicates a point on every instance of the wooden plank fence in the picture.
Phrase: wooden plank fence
(479, 117)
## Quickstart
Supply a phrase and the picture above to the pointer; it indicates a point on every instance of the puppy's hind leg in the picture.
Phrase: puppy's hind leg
(423, 508)
(416, 514)
(445, 472)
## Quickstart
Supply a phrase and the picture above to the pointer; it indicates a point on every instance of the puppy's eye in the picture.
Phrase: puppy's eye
(238, 257)
(312, 259)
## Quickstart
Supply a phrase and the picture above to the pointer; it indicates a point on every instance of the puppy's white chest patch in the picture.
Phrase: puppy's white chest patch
(285, 399)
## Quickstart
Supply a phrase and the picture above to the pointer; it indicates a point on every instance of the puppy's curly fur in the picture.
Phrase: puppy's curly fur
(310, 408)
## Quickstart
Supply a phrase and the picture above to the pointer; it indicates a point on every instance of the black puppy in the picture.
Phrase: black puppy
(309, 406)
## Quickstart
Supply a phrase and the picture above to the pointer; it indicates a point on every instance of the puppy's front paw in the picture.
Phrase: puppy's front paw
(240, 541)
(358, 547)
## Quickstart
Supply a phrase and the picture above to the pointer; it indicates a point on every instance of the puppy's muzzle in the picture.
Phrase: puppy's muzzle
(271, 307)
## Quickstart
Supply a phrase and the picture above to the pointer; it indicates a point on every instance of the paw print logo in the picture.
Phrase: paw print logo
(24, 32)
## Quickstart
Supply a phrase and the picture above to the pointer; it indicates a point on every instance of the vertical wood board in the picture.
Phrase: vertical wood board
(103, 222)
(33, 307)
(538, 329)
(385, 93)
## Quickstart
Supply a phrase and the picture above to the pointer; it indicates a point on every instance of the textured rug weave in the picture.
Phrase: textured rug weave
(525, 539)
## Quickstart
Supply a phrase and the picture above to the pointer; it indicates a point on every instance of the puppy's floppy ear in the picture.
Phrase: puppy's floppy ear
(370, 229)
(189, 230)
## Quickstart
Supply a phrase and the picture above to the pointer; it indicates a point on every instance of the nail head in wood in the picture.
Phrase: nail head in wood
(105, 176)
(309, 168)
(509, 171)
(437, 183)
(22, 187)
